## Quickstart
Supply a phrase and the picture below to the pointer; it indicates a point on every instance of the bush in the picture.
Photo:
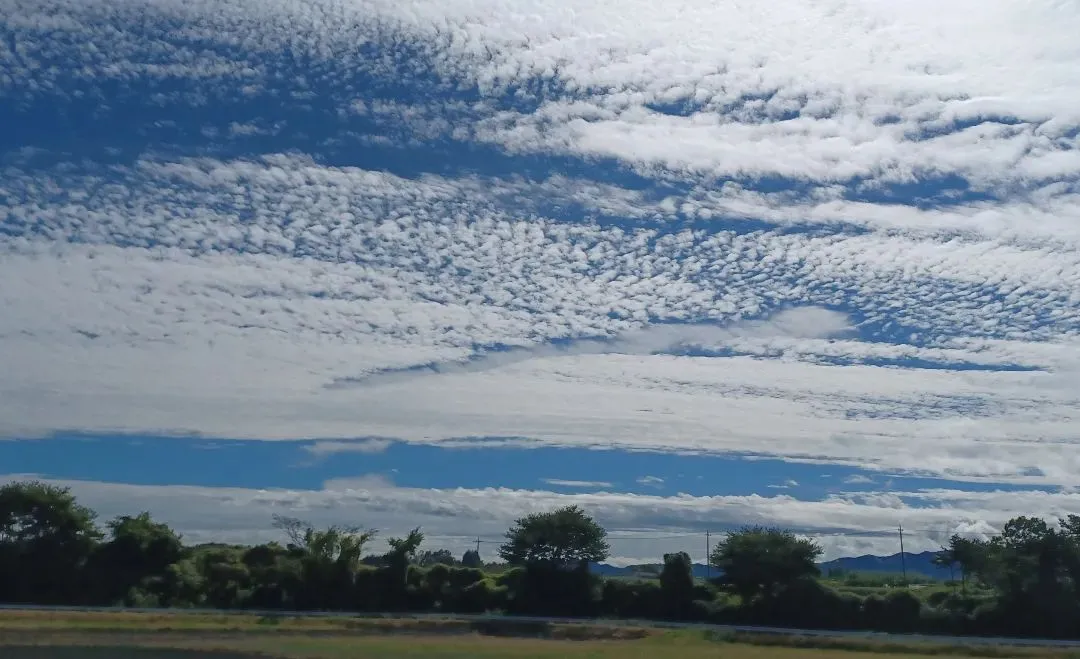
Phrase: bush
(480, 597)
(902, 611)
(935, 620)
(712, 611)
(550, 590)
(460, 578)
(808, 603)
(366, 595)
(624, 598)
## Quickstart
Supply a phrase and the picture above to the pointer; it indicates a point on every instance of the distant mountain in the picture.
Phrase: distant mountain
(644, 571)
(921, 563)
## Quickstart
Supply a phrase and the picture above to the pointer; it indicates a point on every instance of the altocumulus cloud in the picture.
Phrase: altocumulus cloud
(843, 233)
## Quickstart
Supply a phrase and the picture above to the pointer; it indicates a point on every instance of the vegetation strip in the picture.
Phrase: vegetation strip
(1024, 582)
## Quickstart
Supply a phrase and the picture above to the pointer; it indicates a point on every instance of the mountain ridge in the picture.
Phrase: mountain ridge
(920, 563)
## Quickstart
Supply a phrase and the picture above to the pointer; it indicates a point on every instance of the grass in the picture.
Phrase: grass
(658, 646)
(79, 635)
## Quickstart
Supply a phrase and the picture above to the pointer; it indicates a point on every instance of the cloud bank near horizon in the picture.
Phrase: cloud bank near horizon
(641, 527)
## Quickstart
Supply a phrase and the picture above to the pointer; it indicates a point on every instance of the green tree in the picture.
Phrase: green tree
(329, 560)
(472, 558)
(677, 584)
(1028, 563)
(226, 579)
(131, 566)
(565, 538)
(46, 540)
(964, 553)
(276, 575)
(757, 561)
(396, 568)
(435, 557)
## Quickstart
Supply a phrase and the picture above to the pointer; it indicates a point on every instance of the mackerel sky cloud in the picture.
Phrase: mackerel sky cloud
(833, 245)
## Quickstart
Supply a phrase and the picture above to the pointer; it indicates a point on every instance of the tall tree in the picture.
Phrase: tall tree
(566, 537)
(677, 584)
(471, 558)
(1028, 566)
(329, 557)
(961, 552)
(396, 568)
(136, 558)
(758, 561)
(46, 539)
(435, 557)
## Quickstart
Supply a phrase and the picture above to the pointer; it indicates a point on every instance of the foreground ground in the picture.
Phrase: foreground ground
(37, 635)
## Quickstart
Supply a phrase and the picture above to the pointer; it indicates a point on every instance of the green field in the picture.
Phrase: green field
(402, 647)
(36, 635)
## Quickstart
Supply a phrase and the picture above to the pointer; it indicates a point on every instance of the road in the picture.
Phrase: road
(745, 629)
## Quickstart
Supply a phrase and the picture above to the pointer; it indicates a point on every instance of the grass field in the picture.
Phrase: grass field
(412, 647)
(37, 635)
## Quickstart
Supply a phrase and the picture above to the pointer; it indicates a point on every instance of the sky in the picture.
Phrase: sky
(442, 263)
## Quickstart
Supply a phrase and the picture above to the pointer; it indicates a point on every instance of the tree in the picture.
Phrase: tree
(343, 545)
(1028, 565)
(963, 553)
(435, 557)
(46, 539)
(403, 552)
(563, 538)
(757, 561)
(677, 584)
(472, 558)
(396, 568)
(329, 560)
(136, 558)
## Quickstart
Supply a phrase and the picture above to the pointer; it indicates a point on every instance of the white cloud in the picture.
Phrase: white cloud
(225, 294)
(786, 485)
(651, 481)
(368, 481)
(558, 482)
(249, 350)
(322, 449)
(641, 527)
(808, 322)
(858, 479)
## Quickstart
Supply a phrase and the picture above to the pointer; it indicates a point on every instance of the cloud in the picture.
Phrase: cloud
(367, 482)
(641, 527)
(808, 322)
(651, 481)
(323, 449)
(786, 485)
(842, 234)
(557, 482)
(858, 479)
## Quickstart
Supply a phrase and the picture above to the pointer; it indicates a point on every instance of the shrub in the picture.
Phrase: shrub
(550, 590)
(808, 603)
(624, 598)
(481, 597)
(902, 611)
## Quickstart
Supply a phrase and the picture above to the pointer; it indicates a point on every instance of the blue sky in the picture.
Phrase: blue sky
(445, 263)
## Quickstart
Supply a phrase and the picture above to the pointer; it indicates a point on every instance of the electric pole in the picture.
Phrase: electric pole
(708, 560)
(903, 559)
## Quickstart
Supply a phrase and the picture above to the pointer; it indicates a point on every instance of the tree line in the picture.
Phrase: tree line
(1024, 581)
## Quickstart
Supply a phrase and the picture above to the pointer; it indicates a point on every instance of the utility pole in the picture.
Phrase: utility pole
(477, 545)
(708, 561)
(903, 559)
